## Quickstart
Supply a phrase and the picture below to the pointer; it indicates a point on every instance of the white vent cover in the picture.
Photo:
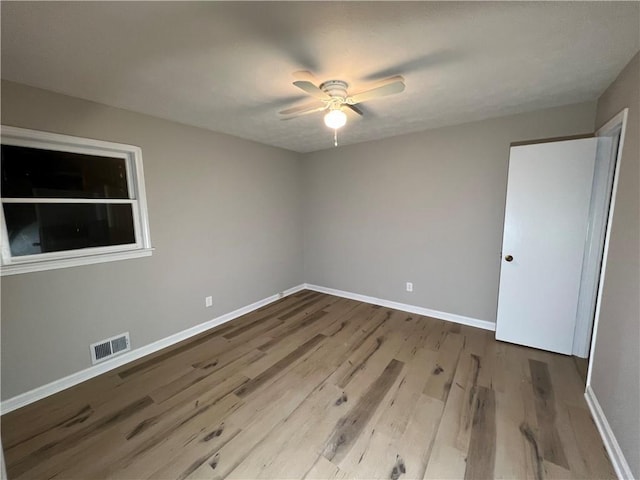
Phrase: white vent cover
(109, 347)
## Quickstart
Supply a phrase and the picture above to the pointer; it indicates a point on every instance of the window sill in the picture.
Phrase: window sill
(28, 267)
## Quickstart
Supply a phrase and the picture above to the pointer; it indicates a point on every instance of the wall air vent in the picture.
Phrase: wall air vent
(110, 347)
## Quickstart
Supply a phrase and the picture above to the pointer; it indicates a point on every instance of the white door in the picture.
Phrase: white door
(545, 228)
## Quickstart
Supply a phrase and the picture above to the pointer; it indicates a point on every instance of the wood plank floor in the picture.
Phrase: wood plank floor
(317, 387)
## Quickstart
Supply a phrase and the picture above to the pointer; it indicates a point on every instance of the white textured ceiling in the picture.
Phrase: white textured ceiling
(227, 66)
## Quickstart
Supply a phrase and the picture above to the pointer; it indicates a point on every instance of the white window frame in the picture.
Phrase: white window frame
(132, 155)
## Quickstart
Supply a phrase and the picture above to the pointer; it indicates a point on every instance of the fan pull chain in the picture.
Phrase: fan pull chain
(335, 137)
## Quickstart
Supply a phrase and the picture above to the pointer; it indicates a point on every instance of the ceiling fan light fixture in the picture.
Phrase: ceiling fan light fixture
(335, 119)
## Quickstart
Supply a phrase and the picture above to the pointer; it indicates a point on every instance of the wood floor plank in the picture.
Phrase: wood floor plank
(469, 403)
(17, 469)
(323, 322)
(441, 377)
(513, 451)
(390, 442)
(68, 406)
(552, 448)
(374, 456)
(437, 333)
(340, 313)
(518, 362)
(388, 421)
(349, 427)
(154, 434)
(48, 434)
(418, 329)
(575, 460)
(299, 309)
(482, 445)
(262, 327)
(163, 419)
(353, 366)
(568, 387)
(495, 369)
(446, 459)
(287, 453)
(551, 470)
(308, 308)
(159, 360)
(475, 340)
(317, 386)
(417, 441)
(398, 407)
(278, 367)
(590, 445)
(323, 469)
(582, 365)
(190, 381)
(280, 336)
(262, 414)
(187, 445)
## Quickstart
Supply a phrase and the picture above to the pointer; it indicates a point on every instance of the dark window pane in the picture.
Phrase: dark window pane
(46, 227)
(33, 172)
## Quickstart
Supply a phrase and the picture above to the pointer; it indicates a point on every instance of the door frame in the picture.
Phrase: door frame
(608, 143)
(618, 121)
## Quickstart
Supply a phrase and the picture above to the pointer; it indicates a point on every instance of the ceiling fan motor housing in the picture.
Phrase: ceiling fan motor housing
(336, 89)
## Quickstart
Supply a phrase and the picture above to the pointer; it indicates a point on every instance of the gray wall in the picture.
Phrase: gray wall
(616, 364)
(426, 207)
(225, 220)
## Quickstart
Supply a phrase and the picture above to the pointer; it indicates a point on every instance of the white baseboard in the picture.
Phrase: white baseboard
(427, 312)
(608, 438)
(75, 378)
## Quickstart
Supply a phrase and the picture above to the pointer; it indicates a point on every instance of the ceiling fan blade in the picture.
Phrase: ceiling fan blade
(311, 89)
(305, 75)
(354, 109)
(389, 87)
(306, 112)
(302, 108)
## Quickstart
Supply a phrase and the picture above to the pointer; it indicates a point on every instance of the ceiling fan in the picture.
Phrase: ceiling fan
(334, 97)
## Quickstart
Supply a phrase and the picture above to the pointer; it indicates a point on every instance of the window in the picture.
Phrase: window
(69, 201)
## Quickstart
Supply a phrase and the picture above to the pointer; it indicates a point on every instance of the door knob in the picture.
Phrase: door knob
(508, 258)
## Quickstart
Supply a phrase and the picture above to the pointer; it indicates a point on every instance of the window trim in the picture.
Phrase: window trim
(85, 256)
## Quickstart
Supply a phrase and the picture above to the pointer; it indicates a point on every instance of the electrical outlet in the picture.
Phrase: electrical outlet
(208, 301)
(409, 287)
